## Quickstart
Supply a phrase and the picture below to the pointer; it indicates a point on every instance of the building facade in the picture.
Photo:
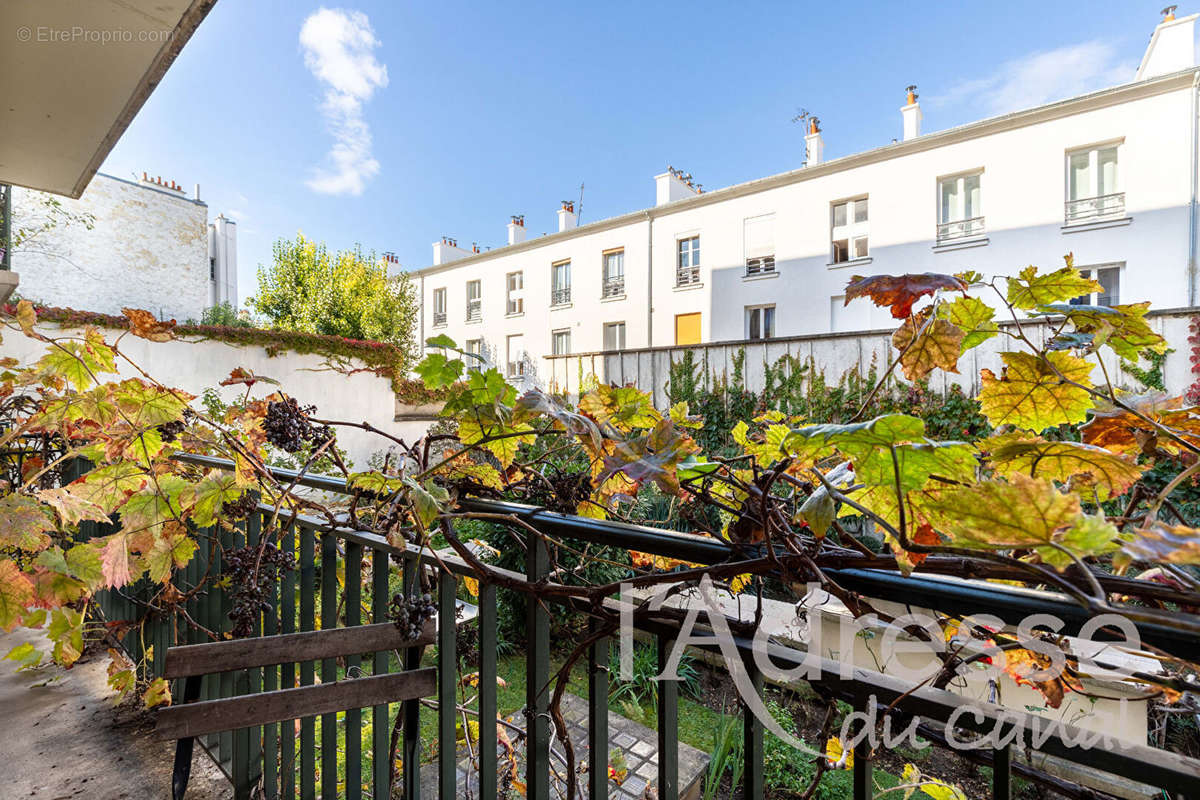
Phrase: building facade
(140, 244)
(1110, 176)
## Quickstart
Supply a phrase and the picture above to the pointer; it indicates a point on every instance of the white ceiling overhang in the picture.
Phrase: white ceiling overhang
(73, 73)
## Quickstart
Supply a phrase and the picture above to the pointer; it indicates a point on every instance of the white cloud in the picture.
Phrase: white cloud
(339, 51)
(1040, 78)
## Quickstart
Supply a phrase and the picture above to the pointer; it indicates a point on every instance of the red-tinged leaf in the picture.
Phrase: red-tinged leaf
(158, 693)
(72, 509)
(16, 594)
(924, 535)
(53, 589)
(143, 324)
(899, 292)
(24, 522)
(114, 562)
(245, 377)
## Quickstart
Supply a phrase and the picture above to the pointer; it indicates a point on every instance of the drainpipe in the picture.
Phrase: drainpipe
(650, 275)
(1195, 159)
(421, 318)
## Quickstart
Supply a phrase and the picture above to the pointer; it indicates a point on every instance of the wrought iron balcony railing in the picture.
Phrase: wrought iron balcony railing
(760, 265)
(560, 297)
(960, 229)
(686, 276)
(439, 318)
(345, 576)
(474, 310)
(1090, 209)
(613, 287)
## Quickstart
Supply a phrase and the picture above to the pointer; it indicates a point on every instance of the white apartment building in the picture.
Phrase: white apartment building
(1110, 176)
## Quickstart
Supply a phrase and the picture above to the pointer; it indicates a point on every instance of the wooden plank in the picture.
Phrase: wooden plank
(212, 716)
(264, 651)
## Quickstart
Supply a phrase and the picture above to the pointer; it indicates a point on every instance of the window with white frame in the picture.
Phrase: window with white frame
(515, 283)
(687, 261)
(960, 207)
(848, 231)
(474, 301)
(560, 283)
(1109, 278)
(474, 347)
(614, 273)
(515, 355)
(614, 336)
(759, 239)
(760, 322)
(560, 342)
(1093, 185)
(439, 307)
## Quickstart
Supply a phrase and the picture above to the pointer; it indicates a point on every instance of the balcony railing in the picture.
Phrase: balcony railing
(345, 574)
(474, 310)
(686, 276)
(960, 229)
(613, 286)
(439, 318)
(760, 266)
(560, 297)
(1090, 209)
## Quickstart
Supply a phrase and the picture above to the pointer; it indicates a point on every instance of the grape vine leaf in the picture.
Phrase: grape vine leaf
(143, 324)
(437, 370)
(441, 340)
(899, 292)
(72, 508)
(1122, 327)
(24, 523)
(16, 593)
(171, 551)
(240, 376)
(144, 405)
(1037, 670)
(158, 693)
(26, 317)
(623, 407)
(1111, 473)
(83, 561)
(208, 496)
(109, 486)
(66, 631)
(504, 448)
(114, 561)
(681, 416)
(1029, 290)
(915, 463)
(1123, 431)
(926, 344)
(77, 363)
(973, 317)
(1168, 544)
(1029, 394)
(1091, 535)
(1000, 515)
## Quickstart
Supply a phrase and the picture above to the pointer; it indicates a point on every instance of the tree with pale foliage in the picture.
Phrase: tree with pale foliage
(348, 293)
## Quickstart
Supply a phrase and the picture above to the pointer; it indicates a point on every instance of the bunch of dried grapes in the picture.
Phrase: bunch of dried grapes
(240, 508)
(287, 426)
(253, 580)
(410, 613)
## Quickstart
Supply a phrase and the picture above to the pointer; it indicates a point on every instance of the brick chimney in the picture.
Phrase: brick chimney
(911, 112)
(516, 229)
(814, 145)
(566, 216)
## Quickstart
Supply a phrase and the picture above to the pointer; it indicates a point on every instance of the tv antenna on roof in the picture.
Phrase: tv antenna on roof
(801, 115)
(579, 208)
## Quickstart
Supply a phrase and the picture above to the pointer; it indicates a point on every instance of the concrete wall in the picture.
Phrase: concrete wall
(148, 249)
(196, 366)
(1022, 162)
(836, 354)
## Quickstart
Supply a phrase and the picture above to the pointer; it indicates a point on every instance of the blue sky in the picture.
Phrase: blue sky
(389, 124)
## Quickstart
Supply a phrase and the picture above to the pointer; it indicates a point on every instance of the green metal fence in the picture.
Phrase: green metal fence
(346, 577)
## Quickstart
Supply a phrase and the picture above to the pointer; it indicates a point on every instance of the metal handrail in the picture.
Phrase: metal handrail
(439, 318)
(686, 276)
(613, 287)
(560, 297)
(960, 229)
(760, 265)
(474, 310)
(1090, 208)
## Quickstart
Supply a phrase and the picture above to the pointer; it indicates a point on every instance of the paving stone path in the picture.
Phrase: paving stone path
(637, 744)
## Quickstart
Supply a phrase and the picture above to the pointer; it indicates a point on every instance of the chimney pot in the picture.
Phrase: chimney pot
(911, 114)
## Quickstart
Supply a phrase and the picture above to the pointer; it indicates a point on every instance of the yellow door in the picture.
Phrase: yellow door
(687, 328)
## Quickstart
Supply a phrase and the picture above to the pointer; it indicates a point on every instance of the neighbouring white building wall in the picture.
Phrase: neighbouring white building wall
(222, 261)
(1029, 202)
(147, 249)
(196, 366)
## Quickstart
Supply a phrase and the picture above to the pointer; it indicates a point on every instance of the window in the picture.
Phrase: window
(849, 231)
(515, 282)
(560, 283)
(1092, 185)
(687, 328)
(439, 307)
(474, 301)
(614, 336)
(687, 263)
(1109, 277)
(960, 208)
(474, 347)
(560, 342)
(614, 273)
(759, 241)
(760, 322)
(515, 356)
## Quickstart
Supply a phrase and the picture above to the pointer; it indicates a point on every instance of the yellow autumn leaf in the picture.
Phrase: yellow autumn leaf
(472, 585)
(1030, 394)
(837, 755)
(926, 344)
(1021, 512)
